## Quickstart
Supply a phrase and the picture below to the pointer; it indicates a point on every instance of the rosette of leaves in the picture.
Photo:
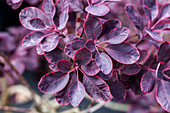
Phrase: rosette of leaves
(46, 24)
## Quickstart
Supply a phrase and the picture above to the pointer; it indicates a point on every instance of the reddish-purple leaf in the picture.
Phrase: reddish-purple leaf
(105, 76)
(148, 82)
(118, 90)
(53, 82)
(117, 35)
(91, 45)
(131, 69)
(27, 14)
(159, 70)
(167, 72)
(68, 38)
(49, 9)
(37, 23)
(64, 65)
(32, 39)
(163, 54)
(39, 50)
(15, 4)
(155, 35)
(163, 24)
(134, 16)
(104, 62)
(124, 53)
(72, 47)
(76, 93)
(97, 10)
(143, 55)
(93, 27)
(96, 88)
(83, 56)
(91, 69)
(62, 97)
(153, 8)
(164, 13)
(53, 66)
(147, 12)
(163, 95)
(62, 5)
(76, 6)
(49, 42)
(55, 55)
(63, 20)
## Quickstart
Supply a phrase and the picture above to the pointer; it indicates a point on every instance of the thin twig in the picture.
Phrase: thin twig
(94, 108)
(15, 109)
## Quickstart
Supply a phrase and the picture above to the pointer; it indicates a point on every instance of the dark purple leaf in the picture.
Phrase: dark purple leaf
(55, 55)
(53, 66)
(167, 72)
(143, 55)
(117, 35)
(96, 88)
(37, 23)
(49, 9)
(164, 13)
(83, 56)
(164, 52)
(64, 65)
(91, 45)
(62, 96)
(124, 53)
(155, 35)
(163, 95)
(91, 69)
(104, 62)
(49, 42)
(32, 39)
(118, 90)
(134, 16)
(53, 82)
(75, 6)
(76, 93)
(147, 12)
(93, 27)
(72, 47)
(63, 20)
(39, 50)
(148, 82)
(15, 4)
(97, 10)
(159, 70)
(68, 38)
(153, 8)
(130, 69)
(27, 14)
(105, 76)
(163, 24)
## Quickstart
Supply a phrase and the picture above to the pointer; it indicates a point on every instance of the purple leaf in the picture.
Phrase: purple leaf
(105, 76)
(167, 72)
(118, 91)
(62, 5)
(163, 95)
(163, 24)
(117, 35)
(130, 69)
(148, 82)
(163, 54)
(93, 27)
(147, 12)
(143, 55)
(83, 56)
(53, 82)
(55, 55)
(76, 6)
(49, 42)
(155, 35)
(76, 93)
(163, 1)
(62, 97)
(159, 70)
(164, 13)
(96, 88)
(91, 45)
(32, 39)
(97, 10)
(68, 38)
(153, 8)
(39, 50)
(37, 23)
(15, 4)
(91, 69)
(27, 14)
(134, 16)
(63, 20)
(49, 9)
(104, 62)
(124, 53)
(72, 47)
(64, 65)
(53, 66)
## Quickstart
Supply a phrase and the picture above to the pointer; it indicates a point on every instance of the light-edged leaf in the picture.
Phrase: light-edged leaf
(162, 25)
(15, 4)
(159, 70)
(75, 6)
(104, 62)
(164, 13)
(53, 82)
(39, 50)
(53, 66)
(143, 55)
(64, 65)
(91, 45)
(124, 53)
(155, 35)
(148, 81)
(63, 18)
